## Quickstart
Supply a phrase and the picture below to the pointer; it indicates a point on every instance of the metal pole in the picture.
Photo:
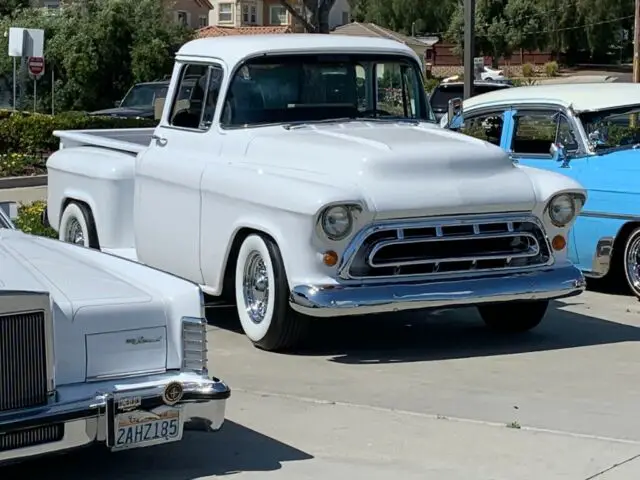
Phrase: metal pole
(469, 45)
(53, 92)
(35, 94)
(636, 44)
(15, 82)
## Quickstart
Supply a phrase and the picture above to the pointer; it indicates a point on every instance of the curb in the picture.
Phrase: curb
(23, 182)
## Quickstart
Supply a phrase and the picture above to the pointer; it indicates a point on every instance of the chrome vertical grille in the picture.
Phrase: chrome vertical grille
(23, 360)
(31, 437)
(447, 246)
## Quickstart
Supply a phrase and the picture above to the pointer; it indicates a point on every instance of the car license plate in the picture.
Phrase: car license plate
(141, 429)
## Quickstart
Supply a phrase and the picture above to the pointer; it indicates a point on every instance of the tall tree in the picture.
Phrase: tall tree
(11, 7)
(314, 14)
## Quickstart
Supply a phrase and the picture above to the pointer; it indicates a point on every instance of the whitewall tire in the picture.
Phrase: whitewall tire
(77, 226)
(262, 296)
(632, 262)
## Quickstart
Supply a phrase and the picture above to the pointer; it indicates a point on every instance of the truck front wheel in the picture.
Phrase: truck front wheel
(514, 317)
(77, 226)
(262, 296)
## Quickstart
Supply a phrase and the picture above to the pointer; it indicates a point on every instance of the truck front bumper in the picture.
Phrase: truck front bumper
(82, 414)
(362, 299)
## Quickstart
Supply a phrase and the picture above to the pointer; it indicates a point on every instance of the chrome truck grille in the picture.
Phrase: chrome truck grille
(26, 353)
(446, 246)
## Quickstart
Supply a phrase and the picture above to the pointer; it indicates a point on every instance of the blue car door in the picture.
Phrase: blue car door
(529, 133)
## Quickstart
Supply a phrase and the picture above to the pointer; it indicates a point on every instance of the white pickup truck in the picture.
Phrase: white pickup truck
(304, 176)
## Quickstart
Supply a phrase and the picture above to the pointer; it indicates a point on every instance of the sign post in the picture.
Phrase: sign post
(478, 67)
(36, 70)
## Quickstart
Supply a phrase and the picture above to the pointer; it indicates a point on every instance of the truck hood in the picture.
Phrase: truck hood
(413, 169)
(96, 304)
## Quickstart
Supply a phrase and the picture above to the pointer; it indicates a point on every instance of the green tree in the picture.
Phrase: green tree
(99, 48)
(9, 7)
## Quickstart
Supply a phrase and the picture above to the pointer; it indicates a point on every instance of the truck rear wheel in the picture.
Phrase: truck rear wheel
(77, 226)
(514, 317)
(262, 296)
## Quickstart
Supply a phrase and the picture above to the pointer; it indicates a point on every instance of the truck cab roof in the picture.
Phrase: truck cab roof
(233, 50)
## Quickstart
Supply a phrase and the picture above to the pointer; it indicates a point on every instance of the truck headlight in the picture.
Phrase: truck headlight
(337, 221)
(564, 208)
(194, 345)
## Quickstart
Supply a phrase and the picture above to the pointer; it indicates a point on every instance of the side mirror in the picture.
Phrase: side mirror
(117, 103)
(454, 117)
(559, 154)
(454, 108)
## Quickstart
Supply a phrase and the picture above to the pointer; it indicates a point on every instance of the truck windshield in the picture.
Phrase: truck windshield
(612, 128)
(308, 88)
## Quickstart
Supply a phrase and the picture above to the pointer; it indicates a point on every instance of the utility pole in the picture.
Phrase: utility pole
(470, 41)
(636, 44)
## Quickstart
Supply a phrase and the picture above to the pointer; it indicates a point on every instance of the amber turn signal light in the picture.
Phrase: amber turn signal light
(330, 258)
(558, 242)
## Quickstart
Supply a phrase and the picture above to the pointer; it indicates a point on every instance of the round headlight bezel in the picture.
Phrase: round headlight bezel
(329, 230)
(553, 212)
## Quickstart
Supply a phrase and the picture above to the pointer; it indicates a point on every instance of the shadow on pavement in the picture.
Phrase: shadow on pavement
(448, 334)
(199, 455)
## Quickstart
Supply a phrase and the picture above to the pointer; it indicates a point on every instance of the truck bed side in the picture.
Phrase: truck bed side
(97, 167)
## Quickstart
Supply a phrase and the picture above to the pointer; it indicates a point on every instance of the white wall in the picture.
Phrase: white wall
(335, 16)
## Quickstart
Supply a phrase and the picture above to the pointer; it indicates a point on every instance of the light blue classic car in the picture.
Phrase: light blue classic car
(590, 132)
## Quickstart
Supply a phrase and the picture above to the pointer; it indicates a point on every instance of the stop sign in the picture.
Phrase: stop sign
(36, 66)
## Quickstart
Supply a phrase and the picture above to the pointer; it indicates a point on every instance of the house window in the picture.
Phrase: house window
(278, 15)
(52, 4)
(183, 18)
(345, 18)
(225, 12)
(249, 14)
(203, 21)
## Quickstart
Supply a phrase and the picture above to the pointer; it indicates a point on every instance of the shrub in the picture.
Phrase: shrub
(528, 70)
(430, 84)
(32, 133)
(551, 69)
(21, 165)
(524, 82)
(29, 219)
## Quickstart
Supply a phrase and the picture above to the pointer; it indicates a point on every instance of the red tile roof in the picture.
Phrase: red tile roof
(215, 31)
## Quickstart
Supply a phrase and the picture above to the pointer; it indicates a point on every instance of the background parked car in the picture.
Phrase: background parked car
(439, 98)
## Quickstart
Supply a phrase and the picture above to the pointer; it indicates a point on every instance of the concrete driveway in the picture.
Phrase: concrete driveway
(420, 397)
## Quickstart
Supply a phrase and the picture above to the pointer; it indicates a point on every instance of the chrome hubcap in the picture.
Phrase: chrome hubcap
(74, 232)
(255, 284)
(633, 264)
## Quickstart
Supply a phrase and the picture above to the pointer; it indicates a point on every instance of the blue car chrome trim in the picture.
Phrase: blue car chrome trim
(601, 258)
(339, 300)
(613, 216)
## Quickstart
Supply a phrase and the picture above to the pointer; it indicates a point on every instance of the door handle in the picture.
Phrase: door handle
(160, 141)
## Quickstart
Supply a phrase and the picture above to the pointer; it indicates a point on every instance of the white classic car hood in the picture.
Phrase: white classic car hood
(100, 302)
(401, 167)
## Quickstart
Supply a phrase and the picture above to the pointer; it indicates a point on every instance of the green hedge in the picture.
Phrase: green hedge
(27, 133)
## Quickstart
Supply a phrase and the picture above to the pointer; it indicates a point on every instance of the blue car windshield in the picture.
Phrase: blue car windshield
(613, 128)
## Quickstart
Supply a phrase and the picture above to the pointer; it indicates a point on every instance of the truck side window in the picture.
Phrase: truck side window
(194, 104)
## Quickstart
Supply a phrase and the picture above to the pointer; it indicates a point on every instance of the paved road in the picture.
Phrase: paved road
(423, 395)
